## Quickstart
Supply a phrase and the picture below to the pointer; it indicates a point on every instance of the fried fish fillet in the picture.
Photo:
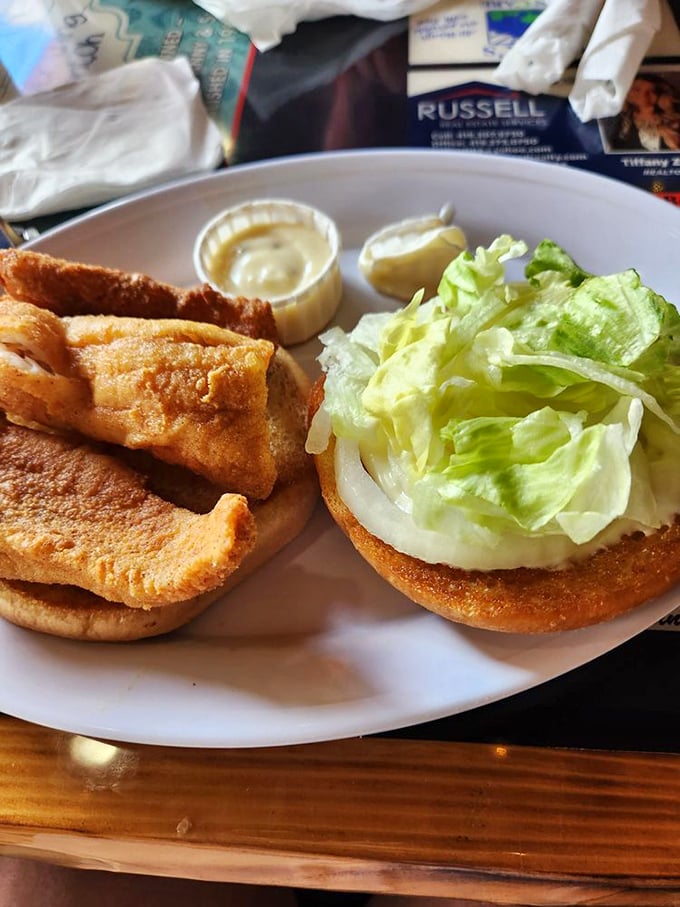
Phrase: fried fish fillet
(190, 394)
(75, 613)
(72, 515)
(71, 288)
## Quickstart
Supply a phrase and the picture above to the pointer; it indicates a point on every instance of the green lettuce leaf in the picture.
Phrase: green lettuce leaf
(550, 257)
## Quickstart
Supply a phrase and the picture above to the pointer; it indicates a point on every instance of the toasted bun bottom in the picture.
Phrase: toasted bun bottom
(610, 582)
(74, 613)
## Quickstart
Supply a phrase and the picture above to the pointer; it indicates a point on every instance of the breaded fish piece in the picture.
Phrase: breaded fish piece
(70, 288)
(72, 515)
(188, 393)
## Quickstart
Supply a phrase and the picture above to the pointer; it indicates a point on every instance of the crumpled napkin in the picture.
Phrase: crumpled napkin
(615, 35)
(552, 42)
(613, 56)
(267, 21)
(103, 137)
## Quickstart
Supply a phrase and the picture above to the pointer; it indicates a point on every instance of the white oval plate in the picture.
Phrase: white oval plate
(316, 646)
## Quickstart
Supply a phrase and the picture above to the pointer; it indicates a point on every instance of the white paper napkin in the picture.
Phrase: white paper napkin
(552, 42)
(619, 42)
(613, 38)
(267, 21)
(103, 137)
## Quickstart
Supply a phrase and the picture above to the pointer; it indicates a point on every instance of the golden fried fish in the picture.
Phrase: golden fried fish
(72, 515)
(71, 288)
(188, 393)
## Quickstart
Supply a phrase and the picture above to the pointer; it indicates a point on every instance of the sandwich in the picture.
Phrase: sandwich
(507, 453)
(151, 448)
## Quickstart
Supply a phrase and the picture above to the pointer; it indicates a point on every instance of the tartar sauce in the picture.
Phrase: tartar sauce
(280, 251)
(270, 260)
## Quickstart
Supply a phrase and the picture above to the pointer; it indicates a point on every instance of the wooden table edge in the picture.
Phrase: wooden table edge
(499, 822)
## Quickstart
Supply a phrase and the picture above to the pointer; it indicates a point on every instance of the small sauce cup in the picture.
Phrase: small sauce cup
(278, 250)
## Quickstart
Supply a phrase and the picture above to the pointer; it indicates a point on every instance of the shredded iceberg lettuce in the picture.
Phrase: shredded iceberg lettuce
(512, 423)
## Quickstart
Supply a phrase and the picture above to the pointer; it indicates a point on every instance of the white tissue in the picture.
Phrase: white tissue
(615, 36)
(266, 22)
(103, 137)
(552, 42)
(613, 56)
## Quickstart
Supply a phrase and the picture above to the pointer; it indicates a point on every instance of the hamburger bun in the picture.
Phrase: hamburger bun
(524, 600)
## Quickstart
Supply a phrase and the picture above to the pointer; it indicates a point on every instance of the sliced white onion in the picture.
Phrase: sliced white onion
(392, 525)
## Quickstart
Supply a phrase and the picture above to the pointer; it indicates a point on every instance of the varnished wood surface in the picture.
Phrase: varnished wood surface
(514, 825)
